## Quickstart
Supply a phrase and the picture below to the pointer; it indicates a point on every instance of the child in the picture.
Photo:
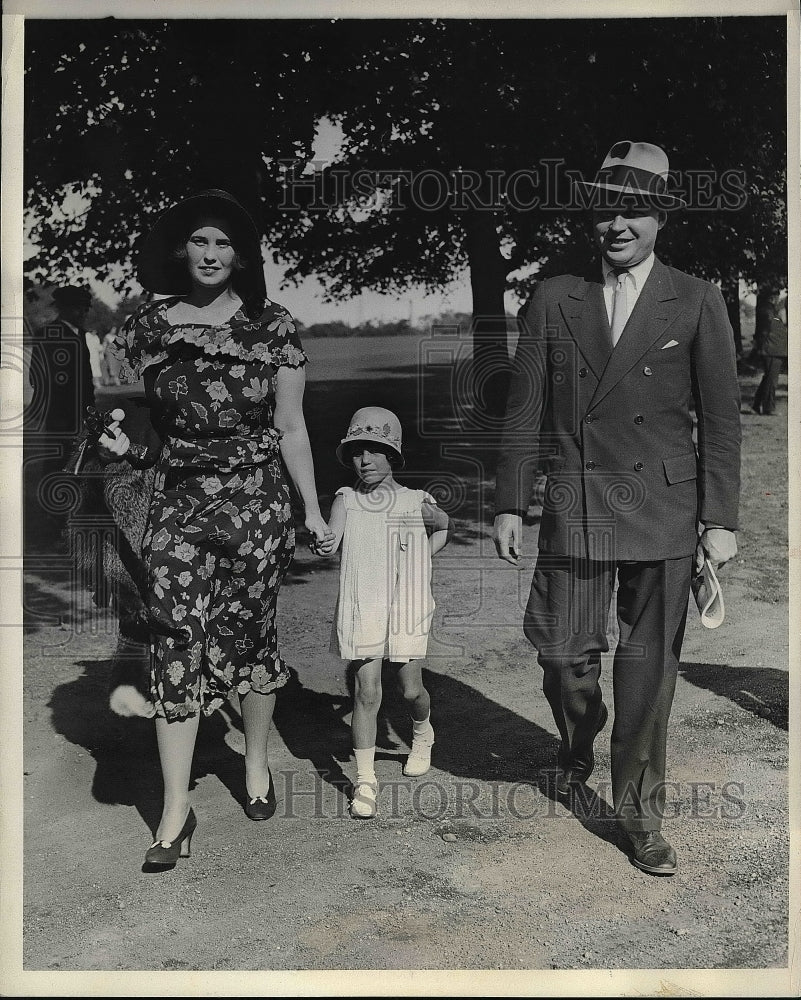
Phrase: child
(384, 608)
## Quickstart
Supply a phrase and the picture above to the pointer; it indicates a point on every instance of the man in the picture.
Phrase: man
(770, 340)
(608, 369)
(60, 377)
(61, 369)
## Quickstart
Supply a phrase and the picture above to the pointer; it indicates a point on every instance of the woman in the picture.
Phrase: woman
(223, 373)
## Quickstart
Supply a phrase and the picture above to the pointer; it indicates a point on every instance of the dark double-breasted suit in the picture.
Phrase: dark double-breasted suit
(60, 376)
(61, 379)
(628, 482)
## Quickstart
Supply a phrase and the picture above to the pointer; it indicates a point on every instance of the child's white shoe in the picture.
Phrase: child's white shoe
(419, 759)
(363, 804)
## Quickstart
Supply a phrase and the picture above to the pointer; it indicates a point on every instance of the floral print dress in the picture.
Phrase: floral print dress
(220, 537)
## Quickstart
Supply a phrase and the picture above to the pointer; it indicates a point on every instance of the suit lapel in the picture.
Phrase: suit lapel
(584, 313)
(656, 307)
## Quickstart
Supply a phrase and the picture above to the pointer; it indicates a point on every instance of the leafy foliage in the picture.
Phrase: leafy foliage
(136, 114)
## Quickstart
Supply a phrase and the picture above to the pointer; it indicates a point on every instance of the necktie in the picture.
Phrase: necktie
(620, 309)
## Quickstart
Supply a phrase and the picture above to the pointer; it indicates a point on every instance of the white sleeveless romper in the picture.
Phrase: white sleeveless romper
(385, 605)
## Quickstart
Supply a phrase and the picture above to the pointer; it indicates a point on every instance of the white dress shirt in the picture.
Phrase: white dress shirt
(637, 278)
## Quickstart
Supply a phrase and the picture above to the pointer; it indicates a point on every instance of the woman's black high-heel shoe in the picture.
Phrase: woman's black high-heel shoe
(262, 806)
(165, 852)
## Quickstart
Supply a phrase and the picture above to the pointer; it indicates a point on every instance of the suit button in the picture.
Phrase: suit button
(589, 418)
(647, 371)
(582, 372)
(639, 418)
(589, 466)
(638, 466)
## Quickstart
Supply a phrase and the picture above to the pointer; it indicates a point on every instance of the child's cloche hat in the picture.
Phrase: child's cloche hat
(373, 424)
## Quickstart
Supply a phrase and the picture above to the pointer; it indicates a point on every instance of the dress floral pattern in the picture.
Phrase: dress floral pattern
(220, 537)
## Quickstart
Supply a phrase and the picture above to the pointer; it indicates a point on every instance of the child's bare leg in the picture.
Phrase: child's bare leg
(410, 678)
(366, 702)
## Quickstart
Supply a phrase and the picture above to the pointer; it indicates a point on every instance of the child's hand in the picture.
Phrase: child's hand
(321, 533)
(324, 548)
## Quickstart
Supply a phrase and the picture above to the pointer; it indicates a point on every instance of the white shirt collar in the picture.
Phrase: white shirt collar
(72, 326)
(639, 273)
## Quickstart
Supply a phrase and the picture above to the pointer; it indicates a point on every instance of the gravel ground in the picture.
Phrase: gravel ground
(473, 867)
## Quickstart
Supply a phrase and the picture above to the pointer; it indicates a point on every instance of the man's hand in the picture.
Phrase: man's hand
(508, 537)
(719, 545)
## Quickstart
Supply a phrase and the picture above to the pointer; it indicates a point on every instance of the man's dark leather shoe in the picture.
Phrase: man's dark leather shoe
(652, 853)
(581, 763)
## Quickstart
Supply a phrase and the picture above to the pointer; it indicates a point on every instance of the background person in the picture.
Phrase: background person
(61, 387)
(770, 340)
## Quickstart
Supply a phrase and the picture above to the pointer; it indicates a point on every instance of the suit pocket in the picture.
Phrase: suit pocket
(680, 468)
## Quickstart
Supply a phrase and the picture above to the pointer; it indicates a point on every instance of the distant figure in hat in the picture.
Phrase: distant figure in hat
(224, 372)
(62, 387)
(770, 341)
(385, 606)
(61, 369)
(609, 367)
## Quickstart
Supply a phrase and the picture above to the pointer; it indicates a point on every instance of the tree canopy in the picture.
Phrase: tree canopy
(136, 114)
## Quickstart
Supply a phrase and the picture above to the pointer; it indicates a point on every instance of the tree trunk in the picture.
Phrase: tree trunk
(490, 370)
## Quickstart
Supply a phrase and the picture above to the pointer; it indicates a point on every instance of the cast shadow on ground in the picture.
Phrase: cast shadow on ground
(763, 691)
(476, 739)
(126, 759)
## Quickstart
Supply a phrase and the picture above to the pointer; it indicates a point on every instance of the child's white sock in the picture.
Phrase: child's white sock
(421, 728)
(365, 764)
(419, 759)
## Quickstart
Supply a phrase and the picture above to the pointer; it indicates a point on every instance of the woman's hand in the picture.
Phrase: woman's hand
(114, 443)
(333, 530)
(323, 538)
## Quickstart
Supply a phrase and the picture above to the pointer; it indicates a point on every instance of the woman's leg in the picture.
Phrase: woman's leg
(257, 717)
(176, 742)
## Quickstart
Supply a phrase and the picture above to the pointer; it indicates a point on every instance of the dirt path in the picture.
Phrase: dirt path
(472, 867)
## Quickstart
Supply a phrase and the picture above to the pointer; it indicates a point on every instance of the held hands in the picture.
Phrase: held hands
(508, 537)
(114, 443)
(322, 542)
(719, 545)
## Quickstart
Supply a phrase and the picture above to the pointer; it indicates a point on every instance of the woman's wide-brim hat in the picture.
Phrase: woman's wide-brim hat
(372, 425)
(159, 270)
(632, 173)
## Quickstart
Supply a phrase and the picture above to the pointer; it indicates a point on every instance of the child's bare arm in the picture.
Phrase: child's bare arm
(336, 523)
(438, 524)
